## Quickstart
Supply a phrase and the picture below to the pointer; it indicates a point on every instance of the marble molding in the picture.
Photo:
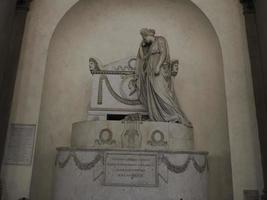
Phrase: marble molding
(146, 135)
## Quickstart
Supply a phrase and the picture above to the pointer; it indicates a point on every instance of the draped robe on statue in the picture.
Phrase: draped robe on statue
(156, 91)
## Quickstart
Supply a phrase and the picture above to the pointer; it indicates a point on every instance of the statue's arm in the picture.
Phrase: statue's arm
(163, 54)
(138, 64)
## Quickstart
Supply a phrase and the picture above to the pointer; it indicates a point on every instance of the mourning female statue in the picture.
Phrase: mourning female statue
(154, 79)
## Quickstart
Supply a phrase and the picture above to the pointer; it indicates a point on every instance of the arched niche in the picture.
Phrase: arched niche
(109, 30)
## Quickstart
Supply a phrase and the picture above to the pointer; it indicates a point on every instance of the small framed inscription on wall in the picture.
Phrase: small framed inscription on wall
(20, 144)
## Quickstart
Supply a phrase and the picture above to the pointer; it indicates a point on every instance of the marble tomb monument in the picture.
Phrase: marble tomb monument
(137, 144)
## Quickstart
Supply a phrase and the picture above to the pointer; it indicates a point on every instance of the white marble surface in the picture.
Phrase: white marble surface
(86, 174)
(103, 98)
(153, 135)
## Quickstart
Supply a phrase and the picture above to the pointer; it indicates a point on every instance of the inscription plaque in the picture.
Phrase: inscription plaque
(20, 144)
(131, 169)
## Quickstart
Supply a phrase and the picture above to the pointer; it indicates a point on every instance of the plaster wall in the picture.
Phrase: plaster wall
(225, 16)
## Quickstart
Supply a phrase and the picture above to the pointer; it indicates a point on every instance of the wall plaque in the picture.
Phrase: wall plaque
(20, 144)
(131, 169)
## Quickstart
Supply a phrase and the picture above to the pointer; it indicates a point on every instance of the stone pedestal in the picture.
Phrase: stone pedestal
(134, 160)
(142, 135)
(94, 174)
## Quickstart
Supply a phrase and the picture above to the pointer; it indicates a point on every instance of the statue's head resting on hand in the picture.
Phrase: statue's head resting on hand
(148, 35)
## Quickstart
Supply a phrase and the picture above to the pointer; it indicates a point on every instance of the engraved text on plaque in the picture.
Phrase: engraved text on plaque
(131, 169)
